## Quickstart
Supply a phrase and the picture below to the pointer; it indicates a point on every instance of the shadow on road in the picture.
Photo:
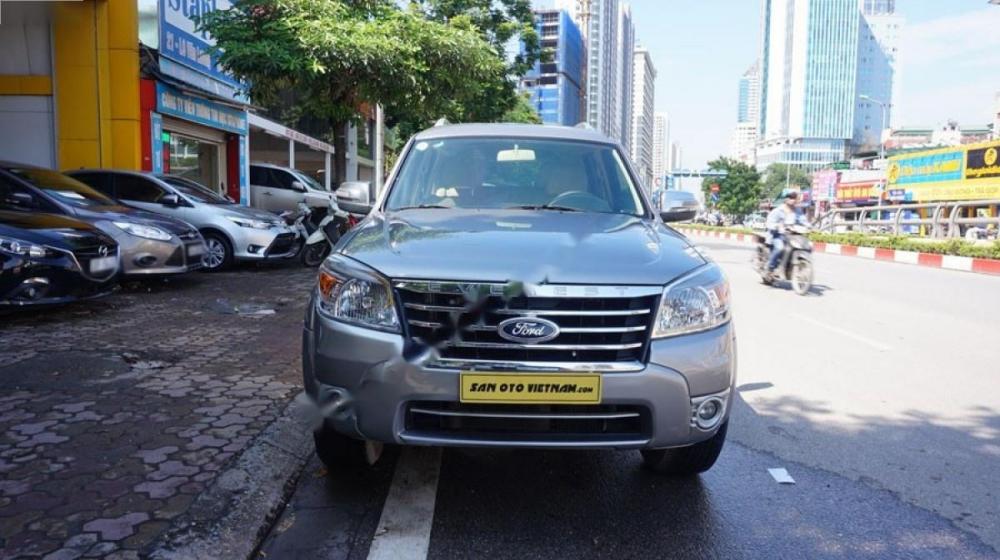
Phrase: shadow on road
(962, 488)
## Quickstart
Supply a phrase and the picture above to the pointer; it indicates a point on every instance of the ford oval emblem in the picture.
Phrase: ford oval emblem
(528, 330)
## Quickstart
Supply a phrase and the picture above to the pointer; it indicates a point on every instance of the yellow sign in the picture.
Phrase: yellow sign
(970, 172)
(964, 190)
(990, 157)
(517, 388)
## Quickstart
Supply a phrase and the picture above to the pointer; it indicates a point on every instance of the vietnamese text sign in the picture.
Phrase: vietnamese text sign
(171, 102)
(180, 39)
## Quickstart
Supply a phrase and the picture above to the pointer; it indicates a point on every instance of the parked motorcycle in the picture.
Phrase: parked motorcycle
(795, 265)
(321, 241)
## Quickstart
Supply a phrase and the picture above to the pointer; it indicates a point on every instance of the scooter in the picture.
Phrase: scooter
(301, 222)
(328, 232)
(795, 264)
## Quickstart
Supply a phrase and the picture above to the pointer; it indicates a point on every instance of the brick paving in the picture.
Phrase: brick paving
(116, 414)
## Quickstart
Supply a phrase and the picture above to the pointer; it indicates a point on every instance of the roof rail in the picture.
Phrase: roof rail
(584, 125)
(443, 121)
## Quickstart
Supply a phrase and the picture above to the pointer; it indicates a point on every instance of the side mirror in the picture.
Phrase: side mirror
(171, 200)
(354, 191)
(298, 186)
(22, 200)
(680, 215)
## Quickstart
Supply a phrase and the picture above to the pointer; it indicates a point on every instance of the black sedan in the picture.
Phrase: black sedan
(48, 259)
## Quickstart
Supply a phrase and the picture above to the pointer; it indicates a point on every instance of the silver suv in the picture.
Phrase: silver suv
(513, 288)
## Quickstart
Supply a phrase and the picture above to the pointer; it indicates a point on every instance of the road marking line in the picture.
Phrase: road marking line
(404, 530)
(844, 332)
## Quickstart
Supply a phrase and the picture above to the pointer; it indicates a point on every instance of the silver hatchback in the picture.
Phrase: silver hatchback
(232, 232)
(513, 288)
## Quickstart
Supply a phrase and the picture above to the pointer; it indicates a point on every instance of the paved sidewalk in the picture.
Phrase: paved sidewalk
(116, 414)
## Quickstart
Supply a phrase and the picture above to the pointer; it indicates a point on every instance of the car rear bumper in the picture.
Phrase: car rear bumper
(364, 388)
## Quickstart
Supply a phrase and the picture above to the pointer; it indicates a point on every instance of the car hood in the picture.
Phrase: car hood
(50, 229)
(239, 211)
(521, 245)
(119, 213)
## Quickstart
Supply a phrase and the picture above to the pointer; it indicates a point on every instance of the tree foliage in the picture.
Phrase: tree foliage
(341, 55)
(739, 191)
(522, 112)
(774, 179)
(501, 23)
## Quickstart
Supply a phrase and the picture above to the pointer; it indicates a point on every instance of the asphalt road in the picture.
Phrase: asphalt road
(878, 393)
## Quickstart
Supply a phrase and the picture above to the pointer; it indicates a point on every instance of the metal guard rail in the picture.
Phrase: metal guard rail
(944, 219)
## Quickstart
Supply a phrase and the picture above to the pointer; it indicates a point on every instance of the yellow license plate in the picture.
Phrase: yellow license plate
(519, 388)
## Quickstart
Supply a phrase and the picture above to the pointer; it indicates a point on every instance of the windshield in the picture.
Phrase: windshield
(309, 181)
(509, 173)
(63, 188)
(194, 191)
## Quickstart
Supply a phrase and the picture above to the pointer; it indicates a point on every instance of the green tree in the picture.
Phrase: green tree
(775, 176)
(341, 55)
(522, 112)
(501, 23)
(739, 191)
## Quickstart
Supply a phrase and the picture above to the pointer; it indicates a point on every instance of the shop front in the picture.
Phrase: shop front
(191, 135)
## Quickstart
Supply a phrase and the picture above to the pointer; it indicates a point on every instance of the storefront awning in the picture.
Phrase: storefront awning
(282, 131)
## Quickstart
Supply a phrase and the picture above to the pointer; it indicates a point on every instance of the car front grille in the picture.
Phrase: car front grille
(526, 423)
(85, 254)
(597, 324)
(281, 244)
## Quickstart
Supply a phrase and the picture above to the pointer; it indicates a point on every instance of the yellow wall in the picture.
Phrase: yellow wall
(97, 83)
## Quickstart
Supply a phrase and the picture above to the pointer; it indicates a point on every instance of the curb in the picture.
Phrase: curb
(233, 515)
(931, 260)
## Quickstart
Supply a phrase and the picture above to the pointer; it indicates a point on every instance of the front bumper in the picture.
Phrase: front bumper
(49, 281)
(364, 388)
(265, 244)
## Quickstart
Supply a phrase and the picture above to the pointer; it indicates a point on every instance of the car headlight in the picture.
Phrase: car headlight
(351, 293)
(249, 222)
(22, 248)
(696, 302)
(144, 231)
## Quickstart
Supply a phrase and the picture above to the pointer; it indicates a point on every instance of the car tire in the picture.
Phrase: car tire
(336, 450)
(686, 461)
(314, 255)
(218, 252)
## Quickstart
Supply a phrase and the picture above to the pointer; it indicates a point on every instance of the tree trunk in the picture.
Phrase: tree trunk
(339, 154)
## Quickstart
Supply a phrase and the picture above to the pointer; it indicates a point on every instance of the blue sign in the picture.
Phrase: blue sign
(170, 101)
(201, 81)
(244, 183)
(156, 141)
(180, 39)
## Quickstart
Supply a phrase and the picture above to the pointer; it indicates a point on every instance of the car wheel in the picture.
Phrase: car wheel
(218, 253)
(686, 461)
(336, 450)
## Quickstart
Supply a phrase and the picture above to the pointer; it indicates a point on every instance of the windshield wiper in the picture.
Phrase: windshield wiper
(544, 207)
(419, 206)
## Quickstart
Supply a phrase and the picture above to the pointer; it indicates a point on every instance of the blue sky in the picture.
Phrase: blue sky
(949, 63)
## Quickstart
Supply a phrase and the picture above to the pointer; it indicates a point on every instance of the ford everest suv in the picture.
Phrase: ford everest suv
(512, 287)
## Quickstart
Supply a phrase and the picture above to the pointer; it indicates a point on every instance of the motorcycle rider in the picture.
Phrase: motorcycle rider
(784, 215)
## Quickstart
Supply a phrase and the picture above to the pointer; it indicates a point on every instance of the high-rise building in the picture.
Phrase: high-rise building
(661, 145)
(622, 102)
(598, 22)
(743, 143)
(642, 125)
(877, 86)
(556, 85)
(748, 105)
(809, 63)
(676, 156)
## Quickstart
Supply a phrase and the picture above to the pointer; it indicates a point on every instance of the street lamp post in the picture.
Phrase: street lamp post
(883, 106)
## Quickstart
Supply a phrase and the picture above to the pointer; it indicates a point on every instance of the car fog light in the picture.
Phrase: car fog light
(709, 413)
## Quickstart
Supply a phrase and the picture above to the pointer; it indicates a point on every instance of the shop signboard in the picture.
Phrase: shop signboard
(856, 192)
(244, 166)
(181, 40)
(824, 184)
(170, 101)
(960, 173)
(156, 141)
